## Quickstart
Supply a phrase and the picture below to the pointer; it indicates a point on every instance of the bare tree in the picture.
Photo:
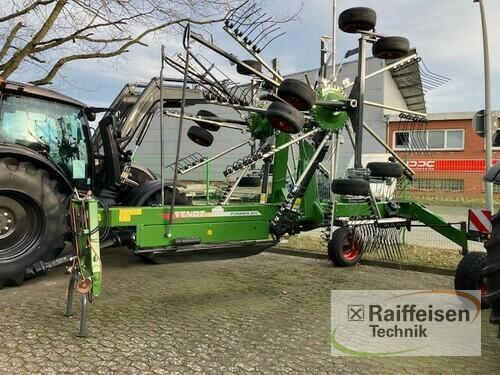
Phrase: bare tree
(45, 35)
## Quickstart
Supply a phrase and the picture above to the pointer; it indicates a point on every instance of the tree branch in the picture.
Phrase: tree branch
(8, 41)
(25, 10)
(21, 54)
(123, 49)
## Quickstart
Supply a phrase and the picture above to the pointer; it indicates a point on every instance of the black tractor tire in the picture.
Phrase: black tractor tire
(492, 269)
(250, 181)
(141, 174)
(204, 125)
(385, 169)
(469, 276)
(181, 199)
(351, 186)
(299, 94)
(33, 219)
(200, 136)
(357, 19)
(343, 250)
(391, 47)
(251, 63)
(285, 118)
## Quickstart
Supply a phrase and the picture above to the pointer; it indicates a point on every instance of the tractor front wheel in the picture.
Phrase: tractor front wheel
(469, 275)
(33, 219)
(344, 250)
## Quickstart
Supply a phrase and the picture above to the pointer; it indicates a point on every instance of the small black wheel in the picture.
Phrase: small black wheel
(351, 186)
(385, 169)
(299, 94)
(251, 63)
(357, 19)
(204, 125)
(344, 250)
(469, 275)
(492, 269)
(33, 219)
(285, 118)
(200, 136)
(391, 47)
(250, 181)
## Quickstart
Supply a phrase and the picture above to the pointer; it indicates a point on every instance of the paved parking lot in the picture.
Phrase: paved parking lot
(268, 314)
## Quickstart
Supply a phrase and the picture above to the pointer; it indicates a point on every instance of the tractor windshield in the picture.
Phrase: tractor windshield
(55, 130)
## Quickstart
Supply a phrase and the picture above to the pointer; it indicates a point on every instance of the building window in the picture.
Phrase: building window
(429, 140)
(430, 184)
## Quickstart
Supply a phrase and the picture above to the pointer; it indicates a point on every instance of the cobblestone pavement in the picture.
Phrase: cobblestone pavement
(268, 314)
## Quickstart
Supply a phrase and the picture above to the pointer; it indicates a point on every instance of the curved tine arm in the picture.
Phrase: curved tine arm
(186, 36)
(271, 40)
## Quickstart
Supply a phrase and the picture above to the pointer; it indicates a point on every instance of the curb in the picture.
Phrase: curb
(366, 262)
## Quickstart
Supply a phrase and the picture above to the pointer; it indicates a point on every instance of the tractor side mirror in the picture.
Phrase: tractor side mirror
(90, 114)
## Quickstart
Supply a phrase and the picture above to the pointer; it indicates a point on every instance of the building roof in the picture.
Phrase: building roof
(408, 80)
(444, 116)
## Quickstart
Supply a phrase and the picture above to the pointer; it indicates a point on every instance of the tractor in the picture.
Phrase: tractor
(47, 150)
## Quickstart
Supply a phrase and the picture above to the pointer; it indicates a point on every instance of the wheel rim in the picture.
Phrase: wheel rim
(351, 249)
(282, 125)
(483, 287)
(21, 224)
(297, 103)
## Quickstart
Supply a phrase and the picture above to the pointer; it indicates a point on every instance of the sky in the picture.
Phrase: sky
(446, 33)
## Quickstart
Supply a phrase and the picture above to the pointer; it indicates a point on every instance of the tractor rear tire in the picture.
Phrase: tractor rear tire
(351, 186)
(33, 219)
(200, 136)
(492, 269)
(253, 64)
(469, 275)
(343, 250)
(357, 19)
(204, 125)
(391, 47)
(385, 169)
(285, 118)
(299, 94)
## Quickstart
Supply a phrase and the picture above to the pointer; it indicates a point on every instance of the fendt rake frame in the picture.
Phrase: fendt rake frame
(168, 229)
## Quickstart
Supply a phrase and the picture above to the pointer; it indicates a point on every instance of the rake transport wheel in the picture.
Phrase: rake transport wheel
(469, 275)
(357, 19)
(385, 169)
(351, 186)
(252, 63)
(204, 125)
(391, 47)
(200, 136)
(492, 269)
(285, 118)
(343, 249)
(33, 219)
(299, 94)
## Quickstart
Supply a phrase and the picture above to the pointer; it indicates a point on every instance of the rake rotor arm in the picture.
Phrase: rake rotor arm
(198, 38)
(184, 171)
(282, 147)
(222, 124)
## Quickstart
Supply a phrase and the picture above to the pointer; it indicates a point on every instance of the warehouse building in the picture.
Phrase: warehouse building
(445, 152)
